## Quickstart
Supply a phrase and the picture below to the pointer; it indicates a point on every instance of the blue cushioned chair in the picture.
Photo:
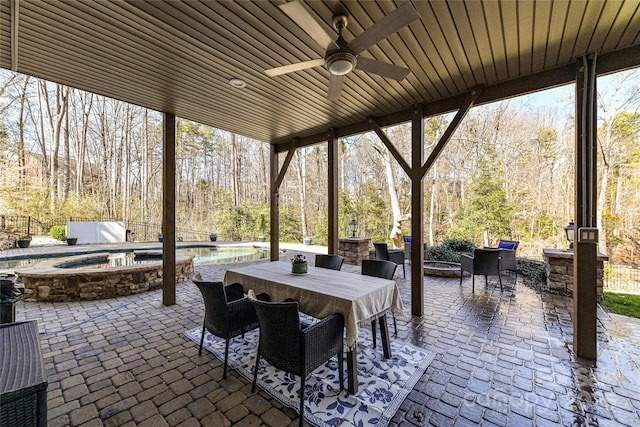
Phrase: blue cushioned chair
(508, 255)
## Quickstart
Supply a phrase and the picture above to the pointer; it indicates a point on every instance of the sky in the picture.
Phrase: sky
(563, 96)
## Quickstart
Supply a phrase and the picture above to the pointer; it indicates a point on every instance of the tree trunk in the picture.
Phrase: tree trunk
(396, 232)
(432, 202)
(604, 178)
(302, 188)
(67, 152)
(55, 127)
(234, 170)
(22, 162)
(81, 144)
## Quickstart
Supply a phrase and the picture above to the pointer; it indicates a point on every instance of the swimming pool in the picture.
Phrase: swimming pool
(64, 277)
(203, 254)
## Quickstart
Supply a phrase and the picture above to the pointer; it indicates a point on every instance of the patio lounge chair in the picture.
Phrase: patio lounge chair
(333, 262)
(293, 347)
(485, 262)
(227, 313)
(394, 255)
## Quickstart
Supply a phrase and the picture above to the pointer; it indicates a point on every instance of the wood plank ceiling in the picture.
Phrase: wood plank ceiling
(178, 56)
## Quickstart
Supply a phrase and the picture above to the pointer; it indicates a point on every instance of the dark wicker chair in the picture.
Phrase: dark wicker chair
(227, 313)
(508, 255)
(295, 348)
(394, 255)
(485, 262)
(334, 262)
(385, 270)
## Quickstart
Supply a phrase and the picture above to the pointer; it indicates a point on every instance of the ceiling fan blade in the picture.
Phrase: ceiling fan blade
(301, 16)
(392, 23)
(383, 69)
(298, 66)
(335, 87)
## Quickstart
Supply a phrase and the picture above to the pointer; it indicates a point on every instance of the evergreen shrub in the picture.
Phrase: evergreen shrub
(449, 250)
(441, 253)
(58, 232)
(459, 245)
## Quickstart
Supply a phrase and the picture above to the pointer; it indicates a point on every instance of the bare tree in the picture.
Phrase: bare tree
(620, 97)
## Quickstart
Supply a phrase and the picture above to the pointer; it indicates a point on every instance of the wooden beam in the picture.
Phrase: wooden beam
(446, 136)
(392, 148)
(406, 115)
(417, 212)
(285, 166)
(333, 191)
(169, 209)
(585, 254)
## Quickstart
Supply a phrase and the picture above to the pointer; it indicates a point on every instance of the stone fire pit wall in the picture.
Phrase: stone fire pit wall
(559, 267)
(45, 282)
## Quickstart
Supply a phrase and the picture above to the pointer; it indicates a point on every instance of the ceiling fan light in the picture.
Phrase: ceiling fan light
(341, 63)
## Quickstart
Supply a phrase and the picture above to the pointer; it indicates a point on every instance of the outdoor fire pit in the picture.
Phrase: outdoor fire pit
(442, 269)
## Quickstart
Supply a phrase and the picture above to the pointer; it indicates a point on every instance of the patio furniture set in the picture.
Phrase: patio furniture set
(341, 301)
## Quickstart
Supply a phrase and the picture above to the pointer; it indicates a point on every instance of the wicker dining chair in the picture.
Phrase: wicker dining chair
(394, 255)
(385, 270)
(288, 345)
(333, 262)
(484, 262)
(228, 313)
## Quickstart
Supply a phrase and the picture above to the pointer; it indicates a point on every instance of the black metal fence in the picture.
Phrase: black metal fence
(623, 278)
(24, 225)
(136, 230)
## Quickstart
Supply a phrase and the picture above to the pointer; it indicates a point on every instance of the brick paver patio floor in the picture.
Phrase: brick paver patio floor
(502, 359)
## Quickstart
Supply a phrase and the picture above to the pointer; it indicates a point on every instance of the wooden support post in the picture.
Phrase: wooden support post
(169, 209)
(332, 187)
(274, 206)
(417, 208)
(585, 254)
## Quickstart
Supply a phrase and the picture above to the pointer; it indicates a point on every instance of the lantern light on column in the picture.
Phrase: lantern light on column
(570, 232)
(354, 226)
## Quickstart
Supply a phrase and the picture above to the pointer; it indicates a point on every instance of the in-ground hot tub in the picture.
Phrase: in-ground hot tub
(97, 276)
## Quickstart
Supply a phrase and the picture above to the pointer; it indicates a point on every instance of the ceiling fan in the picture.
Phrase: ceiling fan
(342, 57)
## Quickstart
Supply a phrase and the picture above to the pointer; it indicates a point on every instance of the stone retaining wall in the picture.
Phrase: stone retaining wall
(45, 282)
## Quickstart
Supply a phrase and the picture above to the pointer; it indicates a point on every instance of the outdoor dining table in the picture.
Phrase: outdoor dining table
(322, 292)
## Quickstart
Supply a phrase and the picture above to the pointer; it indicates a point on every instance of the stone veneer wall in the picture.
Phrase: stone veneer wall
(353, 249)
(7, 240)
(92, 284)
(559, 268)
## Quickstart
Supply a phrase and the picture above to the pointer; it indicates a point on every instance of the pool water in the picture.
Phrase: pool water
(208, 254)
(227, 254)
(116, 259)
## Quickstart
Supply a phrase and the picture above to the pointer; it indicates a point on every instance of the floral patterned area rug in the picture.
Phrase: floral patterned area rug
(383, 384)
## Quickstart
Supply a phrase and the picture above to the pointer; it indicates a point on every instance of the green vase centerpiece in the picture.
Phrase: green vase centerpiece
(299, 264)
